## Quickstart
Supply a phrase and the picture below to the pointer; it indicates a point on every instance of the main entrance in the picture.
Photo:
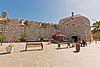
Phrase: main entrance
(75, 38)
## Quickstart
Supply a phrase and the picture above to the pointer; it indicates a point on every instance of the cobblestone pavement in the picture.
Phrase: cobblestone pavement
(88, 56)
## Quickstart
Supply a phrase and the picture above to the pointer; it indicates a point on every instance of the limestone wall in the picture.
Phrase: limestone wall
(78, 26)
(13, 30)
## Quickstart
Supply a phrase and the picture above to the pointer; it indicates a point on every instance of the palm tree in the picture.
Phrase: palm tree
(96, 27)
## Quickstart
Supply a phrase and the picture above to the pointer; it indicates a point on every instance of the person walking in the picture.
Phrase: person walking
(83, 43)
(68, 43)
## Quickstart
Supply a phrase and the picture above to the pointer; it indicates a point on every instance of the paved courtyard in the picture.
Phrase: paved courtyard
(88, 56)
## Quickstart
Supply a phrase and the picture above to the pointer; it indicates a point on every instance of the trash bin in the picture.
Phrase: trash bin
(77, 47)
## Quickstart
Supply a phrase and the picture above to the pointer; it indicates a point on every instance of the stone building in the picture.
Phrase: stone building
(76, 27)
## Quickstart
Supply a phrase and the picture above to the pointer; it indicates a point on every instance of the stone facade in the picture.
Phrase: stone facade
(77, 27)
(14, 28)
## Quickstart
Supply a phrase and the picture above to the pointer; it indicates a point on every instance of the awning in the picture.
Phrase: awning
(58, 35)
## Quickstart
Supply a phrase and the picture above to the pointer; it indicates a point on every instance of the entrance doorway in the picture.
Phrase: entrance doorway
(74, 38)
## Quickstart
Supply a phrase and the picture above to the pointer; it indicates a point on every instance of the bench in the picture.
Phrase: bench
(33, 44)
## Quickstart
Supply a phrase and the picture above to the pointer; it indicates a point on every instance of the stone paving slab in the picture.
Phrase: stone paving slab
(51, 57)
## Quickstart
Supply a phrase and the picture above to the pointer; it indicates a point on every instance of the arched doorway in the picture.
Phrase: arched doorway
(74, 37)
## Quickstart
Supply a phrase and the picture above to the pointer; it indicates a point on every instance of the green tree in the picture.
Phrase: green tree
(1, 37)
(96, 27)
(23, 38)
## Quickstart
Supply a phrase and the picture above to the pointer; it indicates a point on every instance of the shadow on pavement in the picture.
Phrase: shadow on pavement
(76, 51)
(31, 50)
(4, 53)
(62, 48)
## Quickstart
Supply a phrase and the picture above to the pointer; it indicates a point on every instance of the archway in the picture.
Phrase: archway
(74, 37)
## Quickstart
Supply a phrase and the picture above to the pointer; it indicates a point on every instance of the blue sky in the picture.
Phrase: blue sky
(50, 10)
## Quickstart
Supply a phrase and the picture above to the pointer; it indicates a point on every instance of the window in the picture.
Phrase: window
(73, 24)
(67, 24)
